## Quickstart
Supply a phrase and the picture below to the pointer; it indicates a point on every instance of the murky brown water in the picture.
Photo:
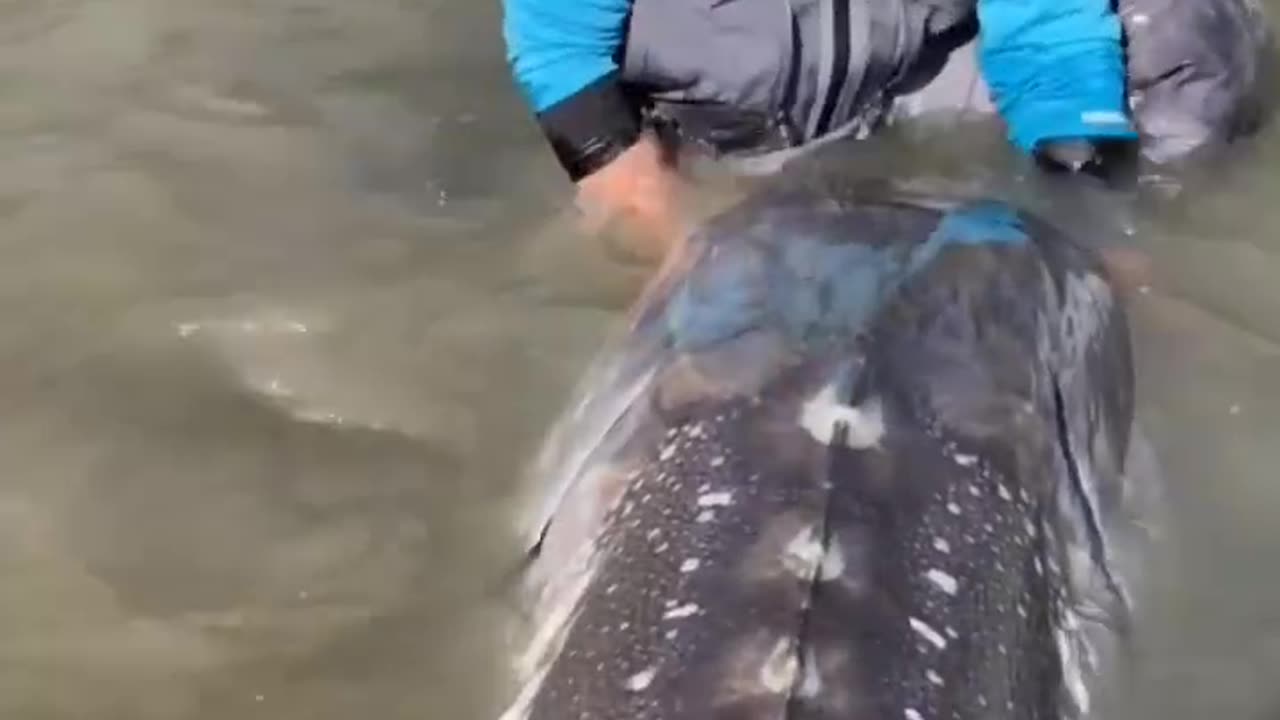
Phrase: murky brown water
(276, 335)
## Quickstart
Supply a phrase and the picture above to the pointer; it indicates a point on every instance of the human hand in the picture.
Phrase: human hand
(638, 194)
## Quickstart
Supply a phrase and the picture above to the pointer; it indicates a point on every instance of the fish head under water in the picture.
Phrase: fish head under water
(866, 459)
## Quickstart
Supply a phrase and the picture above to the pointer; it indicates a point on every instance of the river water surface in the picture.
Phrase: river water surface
(286, 301)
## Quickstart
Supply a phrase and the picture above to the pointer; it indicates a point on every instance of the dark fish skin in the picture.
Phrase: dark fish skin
(887, 481)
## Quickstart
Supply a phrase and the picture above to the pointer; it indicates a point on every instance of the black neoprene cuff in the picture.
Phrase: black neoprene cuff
(590, 128)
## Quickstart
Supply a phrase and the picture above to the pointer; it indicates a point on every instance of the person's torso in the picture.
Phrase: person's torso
(759, 75)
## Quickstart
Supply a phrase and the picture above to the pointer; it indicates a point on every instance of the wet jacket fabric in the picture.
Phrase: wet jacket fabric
(1055, 69)
(798, 70)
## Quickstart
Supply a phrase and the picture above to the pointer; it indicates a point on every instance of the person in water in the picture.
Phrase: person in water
(748, 79)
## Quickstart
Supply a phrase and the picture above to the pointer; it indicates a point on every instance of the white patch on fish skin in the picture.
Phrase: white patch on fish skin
(1072, 673)
(966, 460)
(974, 490)
(1039, 566)
(1003, 492)
(821, 414)
(811, 685)
(924, 630)
(694, 431)
(661, 547)
(672, 633)
(803, 553)
(715, 499)
(778, 673)
(668, 452)
(706, 516)
(641, 680)
(832, 565)
(653, 534)
(951, 633)
(941, 545)
(1031, 529)
(943, 580)
(912, 714)
(717, 461)
(690, 565)
(683, 611)
(933, 677)
(953, 508)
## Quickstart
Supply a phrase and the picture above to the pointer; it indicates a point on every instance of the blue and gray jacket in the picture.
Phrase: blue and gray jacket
(804, 67)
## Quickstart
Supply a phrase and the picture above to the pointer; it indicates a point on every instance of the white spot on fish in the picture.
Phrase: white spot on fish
(951, 633)
(1072, 671)
(672, 633)
(811, 685)
(944, 581)
(715, 499)
(778, 673)
(823, 412)
(924, 630)
(912, 714)
(661, 547)
(1029, 528)
(941, 545)
(974, 490)
(966, 460)
(1026, 496)
(683, 611)
(803, 553)
(694, 431)
(1039, 566)
(717, 461)
(641, 680)
(832, 562)
(1140, 19)
(613, 587)
(690, 565)
(668, 452)
(933, 677)
(1003, 492)
(653, 534)
(706, 516)
(953, 508)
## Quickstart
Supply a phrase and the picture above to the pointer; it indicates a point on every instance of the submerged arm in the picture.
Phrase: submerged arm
(564, 57)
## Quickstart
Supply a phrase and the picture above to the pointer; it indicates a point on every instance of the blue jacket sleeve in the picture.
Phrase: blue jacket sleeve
(1055, 68)
(563, 56)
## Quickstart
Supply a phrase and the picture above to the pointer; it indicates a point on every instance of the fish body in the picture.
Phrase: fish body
(868, 456)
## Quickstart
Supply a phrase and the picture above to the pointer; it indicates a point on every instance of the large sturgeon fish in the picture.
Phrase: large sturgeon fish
(865, 456)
